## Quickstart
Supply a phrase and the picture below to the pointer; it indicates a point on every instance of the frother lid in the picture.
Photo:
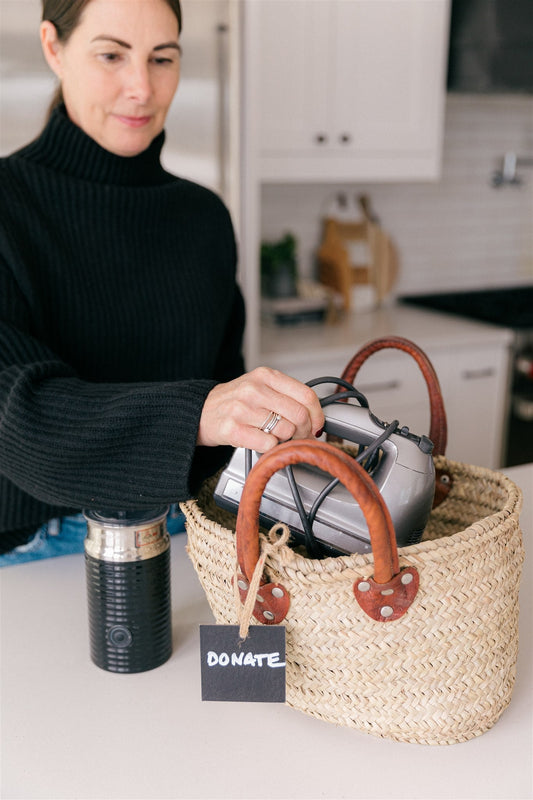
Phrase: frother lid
(116, 517)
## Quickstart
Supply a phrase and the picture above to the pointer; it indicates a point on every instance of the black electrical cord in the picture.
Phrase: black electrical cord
(367, 456)
(314, 547)
(340, 382)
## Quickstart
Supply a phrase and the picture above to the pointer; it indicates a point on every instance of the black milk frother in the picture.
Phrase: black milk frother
(127, 560)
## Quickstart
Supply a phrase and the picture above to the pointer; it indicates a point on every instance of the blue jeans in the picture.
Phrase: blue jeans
(66, 535)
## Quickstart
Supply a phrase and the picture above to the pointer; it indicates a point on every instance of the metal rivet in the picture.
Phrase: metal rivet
(407, 578)
(364, 586)
(242, 585)
(268, 615)
(387, 611)
(277, 592)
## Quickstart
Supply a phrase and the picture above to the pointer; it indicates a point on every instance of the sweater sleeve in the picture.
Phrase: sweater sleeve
(229, 365)
(74, 443)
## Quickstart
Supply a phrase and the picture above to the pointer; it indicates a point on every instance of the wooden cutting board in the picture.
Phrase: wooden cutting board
(385, 266)
(338, 270)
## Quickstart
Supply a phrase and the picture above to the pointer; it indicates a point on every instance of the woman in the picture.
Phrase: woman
(121, 376)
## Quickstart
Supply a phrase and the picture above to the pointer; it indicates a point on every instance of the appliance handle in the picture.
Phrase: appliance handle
(388, 580)
(438, 424)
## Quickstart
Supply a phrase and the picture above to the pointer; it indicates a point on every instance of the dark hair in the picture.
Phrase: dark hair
(65, 16)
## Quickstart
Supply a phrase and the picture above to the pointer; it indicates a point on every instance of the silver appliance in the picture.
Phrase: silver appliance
(320, 512)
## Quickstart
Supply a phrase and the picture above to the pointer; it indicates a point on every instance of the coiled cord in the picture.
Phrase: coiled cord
(367, 456)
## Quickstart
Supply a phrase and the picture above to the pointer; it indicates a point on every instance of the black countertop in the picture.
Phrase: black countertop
(510, 308)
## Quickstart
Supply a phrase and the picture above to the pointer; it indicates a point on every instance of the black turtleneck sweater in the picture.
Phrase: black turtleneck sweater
(119, 311)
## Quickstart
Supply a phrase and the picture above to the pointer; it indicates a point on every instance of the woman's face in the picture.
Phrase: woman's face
(119, 71)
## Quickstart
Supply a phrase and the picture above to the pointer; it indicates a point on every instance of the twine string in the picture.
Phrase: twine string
(279, 536)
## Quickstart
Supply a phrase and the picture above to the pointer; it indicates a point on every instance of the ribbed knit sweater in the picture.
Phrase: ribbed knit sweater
(119, 311)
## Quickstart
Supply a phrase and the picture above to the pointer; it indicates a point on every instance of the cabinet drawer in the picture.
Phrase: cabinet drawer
(385, 374)
(391, 377)
(395, 389)
(309, 370)
(391, 381)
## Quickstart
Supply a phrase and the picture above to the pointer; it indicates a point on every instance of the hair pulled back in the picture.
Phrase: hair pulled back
(65, 16)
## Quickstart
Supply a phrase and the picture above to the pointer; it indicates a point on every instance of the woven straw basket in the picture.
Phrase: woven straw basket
(438, 667)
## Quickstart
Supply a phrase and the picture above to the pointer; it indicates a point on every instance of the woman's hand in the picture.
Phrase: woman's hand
(235, 412)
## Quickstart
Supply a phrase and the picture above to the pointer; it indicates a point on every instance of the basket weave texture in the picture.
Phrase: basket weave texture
(441, 674)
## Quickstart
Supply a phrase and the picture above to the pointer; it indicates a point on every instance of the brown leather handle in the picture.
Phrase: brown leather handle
(340, 465)
(438, 425)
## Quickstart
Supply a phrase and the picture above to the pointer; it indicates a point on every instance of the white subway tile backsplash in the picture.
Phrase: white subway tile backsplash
(458, 233)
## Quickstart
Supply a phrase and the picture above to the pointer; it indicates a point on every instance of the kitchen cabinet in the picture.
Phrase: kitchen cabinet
(472, 361)
(346, 89)
(475, 386)
(334, 90)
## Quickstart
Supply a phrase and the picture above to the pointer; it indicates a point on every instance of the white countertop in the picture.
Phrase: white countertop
(340, 340)
(71, 730)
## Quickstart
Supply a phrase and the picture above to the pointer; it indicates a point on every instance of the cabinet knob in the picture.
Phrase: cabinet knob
(321, 138)
(345, 138)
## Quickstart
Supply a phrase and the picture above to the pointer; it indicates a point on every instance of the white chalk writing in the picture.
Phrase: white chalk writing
(244, 659)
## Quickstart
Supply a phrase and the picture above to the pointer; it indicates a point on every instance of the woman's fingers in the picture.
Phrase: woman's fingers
(296, 402)
(235, 412)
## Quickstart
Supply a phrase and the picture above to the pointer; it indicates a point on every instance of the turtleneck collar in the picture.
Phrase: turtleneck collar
(65, 147)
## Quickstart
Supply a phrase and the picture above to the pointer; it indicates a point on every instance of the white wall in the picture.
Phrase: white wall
(459, 233)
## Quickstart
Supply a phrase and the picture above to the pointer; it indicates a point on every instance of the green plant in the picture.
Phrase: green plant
(279, 267)
(275, 253)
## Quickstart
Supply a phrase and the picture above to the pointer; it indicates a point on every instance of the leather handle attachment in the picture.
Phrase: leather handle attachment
(389, 588)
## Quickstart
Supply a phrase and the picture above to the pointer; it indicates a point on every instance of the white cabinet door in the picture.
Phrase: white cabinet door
(475, 389)
(288, 64)
(343, 89)
(395, 389)
(388, 77)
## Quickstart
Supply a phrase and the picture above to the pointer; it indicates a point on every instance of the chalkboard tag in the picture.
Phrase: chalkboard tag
(243, 671)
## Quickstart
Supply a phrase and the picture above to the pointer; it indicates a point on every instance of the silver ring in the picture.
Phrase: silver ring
(270, 423)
